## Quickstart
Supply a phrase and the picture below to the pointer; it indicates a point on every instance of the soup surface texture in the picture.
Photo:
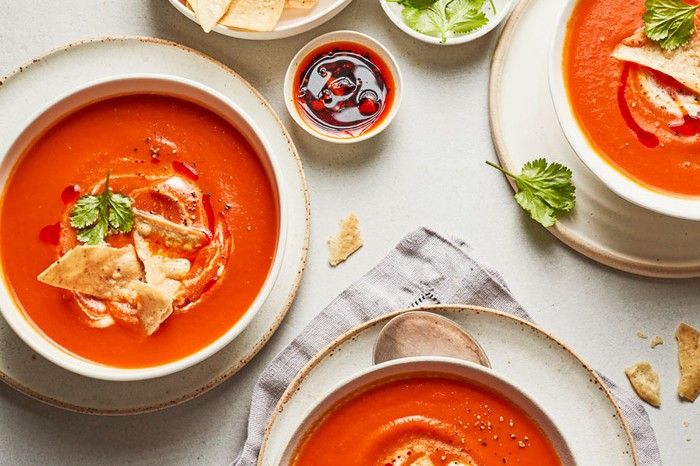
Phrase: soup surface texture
(422, 420)
(176, 159)
(641, 121)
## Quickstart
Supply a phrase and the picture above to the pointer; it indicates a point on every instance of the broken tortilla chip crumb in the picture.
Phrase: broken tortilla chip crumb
(346, 241)
(656, 341)
(689, 361)
(642, 335)
(645, 382)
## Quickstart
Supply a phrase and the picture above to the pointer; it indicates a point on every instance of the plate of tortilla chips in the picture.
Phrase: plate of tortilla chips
(259, 19)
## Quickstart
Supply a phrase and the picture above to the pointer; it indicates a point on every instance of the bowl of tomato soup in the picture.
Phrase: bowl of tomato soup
(142, 226)
(635, 127)
(426, 411)
(343, 87)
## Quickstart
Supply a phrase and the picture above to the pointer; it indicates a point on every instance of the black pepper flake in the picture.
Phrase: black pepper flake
(228, 207)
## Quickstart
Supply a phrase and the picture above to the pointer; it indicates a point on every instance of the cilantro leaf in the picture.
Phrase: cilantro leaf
(543, 189)
(93, 235)
(439, 17)
(669, 22)
(95, 216)
(427, 21)
(121, 217)
(85, 212)
(419, 4)
(463, 21)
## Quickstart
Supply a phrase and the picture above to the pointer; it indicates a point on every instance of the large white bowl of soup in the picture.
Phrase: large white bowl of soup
(142, 226)
(628, 108)
(426, 411)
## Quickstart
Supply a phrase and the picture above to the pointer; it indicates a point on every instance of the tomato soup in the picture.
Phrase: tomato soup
(145, 142)
(625, 125)
(425, 419)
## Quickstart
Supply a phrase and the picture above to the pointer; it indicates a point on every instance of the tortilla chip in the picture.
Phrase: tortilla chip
(300, 3)
(253, 15)
(645, 382)
(153, 306)
(689, 360)
(682, 63)
(174, 235)
(209, 12)
(101, 271)
(347, 241)
(161, 272)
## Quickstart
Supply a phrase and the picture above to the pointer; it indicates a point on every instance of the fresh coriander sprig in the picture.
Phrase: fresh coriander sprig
(543, 189)
(437, 17)
(669, 22)
(97, 216)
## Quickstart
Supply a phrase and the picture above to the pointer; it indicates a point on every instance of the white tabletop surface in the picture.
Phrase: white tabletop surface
(427, 169)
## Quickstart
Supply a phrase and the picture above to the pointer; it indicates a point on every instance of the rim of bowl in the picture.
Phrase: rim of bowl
(35, 127)
(343, 36)
(621, 184)
(279, 32)
(397, 19)
(404, 367)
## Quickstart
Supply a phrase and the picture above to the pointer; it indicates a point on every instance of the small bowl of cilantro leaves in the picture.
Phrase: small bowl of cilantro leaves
(446, 22)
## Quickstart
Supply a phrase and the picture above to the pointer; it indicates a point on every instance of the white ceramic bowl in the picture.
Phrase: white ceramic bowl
(619, 183)
(140, 84)
(330, 38)
(292, 22)
(393, 11)
(404, 368)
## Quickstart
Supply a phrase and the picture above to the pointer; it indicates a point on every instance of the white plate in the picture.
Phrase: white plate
(26, 90)
(292, 22)
(602, 226)
(567, 389)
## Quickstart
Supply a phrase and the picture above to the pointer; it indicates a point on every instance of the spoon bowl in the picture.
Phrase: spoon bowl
(419, 333)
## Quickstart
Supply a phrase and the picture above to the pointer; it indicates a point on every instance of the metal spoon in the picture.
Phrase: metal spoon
(419, 333)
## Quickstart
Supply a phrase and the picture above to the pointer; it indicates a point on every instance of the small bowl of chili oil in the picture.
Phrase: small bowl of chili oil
(343, 87)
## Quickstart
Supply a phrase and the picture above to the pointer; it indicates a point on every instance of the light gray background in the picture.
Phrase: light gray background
(426, 169)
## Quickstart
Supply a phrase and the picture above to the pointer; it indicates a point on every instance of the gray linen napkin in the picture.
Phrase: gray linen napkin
(425, 268)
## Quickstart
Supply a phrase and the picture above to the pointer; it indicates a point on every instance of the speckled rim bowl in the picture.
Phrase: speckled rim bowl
(451, 367)
(137, 84)
(503, 7)
(675, 206)
(343, 36)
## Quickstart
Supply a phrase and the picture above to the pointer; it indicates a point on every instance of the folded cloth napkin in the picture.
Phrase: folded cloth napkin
(425, 268)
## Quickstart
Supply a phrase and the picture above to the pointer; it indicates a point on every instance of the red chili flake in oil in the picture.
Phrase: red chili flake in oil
(209, 210)
(689, 127)
(51, 234)
(70, 194)
(185, 170)
(343, 90)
